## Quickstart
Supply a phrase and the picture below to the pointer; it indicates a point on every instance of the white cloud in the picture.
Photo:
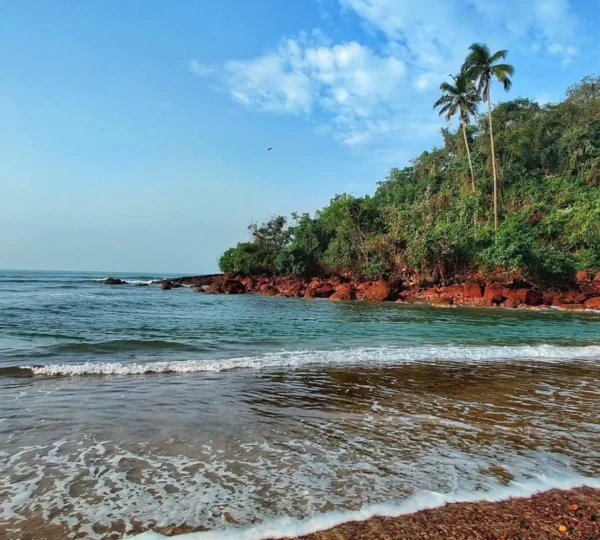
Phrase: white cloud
(349, 82)
(366, 95)
(432, 31)
(199, 69)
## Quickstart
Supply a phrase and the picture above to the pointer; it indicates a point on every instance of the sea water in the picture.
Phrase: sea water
(128, 408)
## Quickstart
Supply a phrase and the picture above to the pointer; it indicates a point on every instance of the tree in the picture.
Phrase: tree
(460, 97)
(482, 67)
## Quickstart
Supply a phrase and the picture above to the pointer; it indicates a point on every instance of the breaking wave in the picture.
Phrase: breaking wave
(289, 527)
(353, 356)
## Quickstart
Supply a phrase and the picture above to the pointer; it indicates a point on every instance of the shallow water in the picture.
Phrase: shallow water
(142, 408)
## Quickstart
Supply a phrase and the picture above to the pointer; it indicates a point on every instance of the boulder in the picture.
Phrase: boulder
(514, 297)
(198, 289)
(593, 303)
(291, 286)
(166, 286)
(113, 281)
(534, 297)
(232, 286)
(141, 284)
(324, 291)
(214, 288)
(494, 292)
(378, 291)
(266, 289)
(572, 297)
(361, 288)
(343, 293)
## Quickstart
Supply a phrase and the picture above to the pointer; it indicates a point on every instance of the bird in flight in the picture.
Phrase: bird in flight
(269, 149)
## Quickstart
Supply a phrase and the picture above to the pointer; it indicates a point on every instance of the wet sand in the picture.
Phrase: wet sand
(553, 514)
(539, 517)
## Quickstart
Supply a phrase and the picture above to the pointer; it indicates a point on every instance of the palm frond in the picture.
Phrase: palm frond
(507, 68)
(502, 77)
(448, 88)
(500, 55)
(443, 100)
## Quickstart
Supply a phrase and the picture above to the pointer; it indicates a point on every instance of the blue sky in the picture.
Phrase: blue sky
(134, 135)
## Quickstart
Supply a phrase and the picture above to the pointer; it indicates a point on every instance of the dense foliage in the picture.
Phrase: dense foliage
(428, 216)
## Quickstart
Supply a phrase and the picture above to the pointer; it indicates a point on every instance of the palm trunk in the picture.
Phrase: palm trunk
(468, 153)
(493, 165)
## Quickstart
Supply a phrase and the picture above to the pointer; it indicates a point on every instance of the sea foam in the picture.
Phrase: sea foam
(351, 356)
(289, 527)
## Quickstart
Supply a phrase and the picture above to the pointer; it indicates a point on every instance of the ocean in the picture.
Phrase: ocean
(128, 408)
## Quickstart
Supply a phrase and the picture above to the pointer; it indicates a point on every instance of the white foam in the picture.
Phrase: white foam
(289, 527)
(359, 355)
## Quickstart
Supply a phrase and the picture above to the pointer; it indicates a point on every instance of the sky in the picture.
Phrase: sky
(134, 135)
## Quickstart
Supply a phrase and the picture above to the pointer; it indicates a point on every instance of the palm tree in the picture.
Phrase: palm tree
(482, 67)
(460, 97)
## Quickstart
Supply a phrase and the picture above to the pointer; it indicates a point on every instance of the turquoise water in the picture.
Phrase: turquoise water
(124, 403)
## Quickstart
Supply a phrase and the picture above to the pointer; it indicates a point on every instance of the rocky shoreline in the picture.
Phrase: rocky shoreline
(502, 290)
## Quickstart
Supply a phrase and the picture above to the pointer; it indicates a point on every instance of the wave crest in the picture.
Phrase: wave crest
(355, 356)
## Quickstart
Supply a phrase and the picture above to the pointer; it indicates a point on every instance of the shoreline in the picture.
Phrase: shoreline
(573, 513)
(501, 290)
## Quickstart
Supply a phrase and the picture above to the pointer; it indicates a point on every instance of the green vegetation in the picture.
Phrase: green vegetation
(434, 216)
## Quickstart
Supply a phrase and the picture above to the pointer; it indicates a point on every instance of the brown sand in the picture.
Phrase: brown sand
(538, 517)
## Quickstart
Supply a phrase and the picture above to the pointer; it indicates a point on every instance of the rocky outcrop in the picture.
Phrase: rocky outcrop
(198, 289)
(166, 286)
(504, 290)
(343, 293)
(268, 290)
(214, 287)
(593, 303)
(377, 291)
(232, 286)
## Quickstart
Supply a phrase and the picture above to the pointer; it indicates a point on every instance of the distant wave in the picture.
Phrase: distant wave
(136, 280)
(123, 345)
(289, 527)
(292, 359)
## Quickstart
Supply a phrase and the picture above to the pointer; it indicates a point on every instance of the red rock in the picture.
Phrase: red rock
(214, 287)
(494, 292)
(266, 289)
(232, 286)
(550, 298)
(467, 290)
(198, 289)
(361, 288)
(325, 291)
(511, 303)
(596, 283)
(583, 276)
(514, 297)
(593, 303)
(482, 302)
(291, 286)
(572, 297)
(378, 291)
(343, 293)
(310, 292)
(534, 297)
